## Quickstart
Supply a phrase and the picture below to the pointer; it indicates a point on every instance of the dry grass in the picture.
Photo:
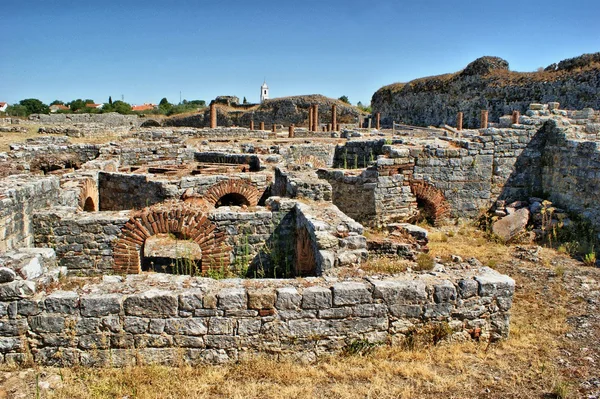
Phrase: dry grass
(6, 139)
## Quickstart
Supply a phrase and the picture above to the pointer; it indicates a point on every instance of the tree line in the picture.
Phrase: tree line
(30, 106)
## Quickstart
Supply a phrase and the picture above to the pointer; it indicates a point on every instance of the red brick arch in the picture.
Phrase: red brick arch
(433, 198)
(232, 186)
(183, 219)
(88, 196)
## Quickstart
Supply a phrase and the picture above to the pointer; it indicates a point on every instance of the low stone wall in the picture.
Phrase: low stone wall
(215, 322)
(300, 184)
(139, 152)
(111, 119)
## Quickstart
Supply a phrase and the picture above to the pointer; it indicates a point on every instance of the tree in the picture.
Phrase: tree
(164, 101)
(76, 105)
(57, 102)
(121, 107)
(344, 99)
(245, 101)
(110, 100)
(16, 110)
(34, 106)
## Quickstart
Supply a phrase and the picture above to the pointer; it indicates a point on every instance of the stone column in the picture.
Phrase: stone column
(359, 122)
(310, 118)
(274, 128)
(515, 117)
(316, 117)
(459, 121)
(337, 127)
(329, 126)
(251, 125)
(484, 119)
(378, 121)
(291, 133)
(262, 126)
(213, 116)
(334, 116)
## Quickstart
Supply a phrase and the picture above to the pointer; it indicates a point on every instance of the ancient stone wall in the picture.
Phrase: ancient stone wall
(111, 119)
(138, 152)
(19, 198)
(300, 184)
(214, 322)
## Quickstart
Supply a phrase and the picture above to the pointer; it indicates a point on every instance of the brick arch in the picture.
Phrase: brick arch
(183, 219)
(433, 198)
(232, 186)
(88, 196)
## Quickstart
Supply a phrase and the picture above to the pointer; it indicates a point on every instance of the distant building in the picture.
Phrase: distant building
(97, 106)
(58, 107)
(264, 92)
(3, 107)
(144, 107)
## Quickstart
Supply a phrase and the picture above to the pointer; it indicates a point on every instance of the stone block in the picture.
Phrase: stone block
(248, 326)
(156, 326)
(191, 300)
(395, 292)
(316, 298)
(153, 341)
(7, 275)
(26, 307)
(232, 299)
(9, 328)
(261, 299)
(152, 303)
(221, 326)
(135, 325)
(10, 344)
(47, 324)
(445, 292)
(17, 289)
(492, 283)
(288, 298)
(369, 310)
(351, 293)
(467, 288)
(335, 313)
(437, 311)
(184, 341)
(187, 326)
(87, 325)
(62, 302)
(100, 305)
(409, 311)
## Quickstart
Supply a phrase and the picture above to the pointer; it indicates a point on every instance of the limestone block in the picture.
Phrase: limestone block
(410, 311)
(191, 300)
(152, 303)
(100, 305)
(248, 326)
(316, 298)
(232, 299)
(438, 311)
(9, 344)
(369, 310)
(261, 299)
(492, 283)
(467, 288)
(17, 289)
(187, 326)
(185, 341)
(395, 292)
(351, 293)
(288, 298)
(12, 327)
(444, 292)
(510, 226)
(335, 313)
(62, 302)
(221, 326)
(47, 324)
(136, 325)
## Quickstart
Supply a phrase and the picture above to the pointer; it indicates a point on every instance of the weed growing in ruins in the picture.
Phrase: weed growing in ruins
(561, 390)
(359, 347)
(424, 262)
(589, 259)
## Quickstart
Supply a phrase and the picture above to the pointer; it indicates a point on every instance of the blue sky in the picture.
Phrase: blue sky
(146, 50)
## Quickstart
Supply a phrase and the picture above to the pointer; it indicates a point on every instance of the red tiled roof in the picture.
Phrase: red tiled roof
(92, 105)
(2, 104)
(59, 106)
(144, 107)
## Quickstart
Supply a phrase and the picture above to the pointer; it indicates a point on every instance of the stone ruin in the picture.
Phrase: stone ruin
(116, 253)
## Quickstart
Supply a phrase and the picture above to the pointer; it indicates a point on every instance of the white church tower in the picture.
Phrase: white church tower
(264, 92)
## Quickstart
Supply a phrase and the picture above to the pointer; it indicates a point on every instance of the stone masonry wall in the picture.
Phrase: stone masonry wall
(214, 322)
(19, 198)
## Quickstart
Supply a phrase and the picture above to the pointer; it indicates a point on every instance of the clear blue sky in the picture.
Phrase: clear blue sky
(146, 50)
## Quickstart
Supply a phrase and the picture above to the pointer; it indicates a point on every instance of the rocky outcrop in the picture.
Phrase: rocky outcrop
(487, 83)
(279, 111)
